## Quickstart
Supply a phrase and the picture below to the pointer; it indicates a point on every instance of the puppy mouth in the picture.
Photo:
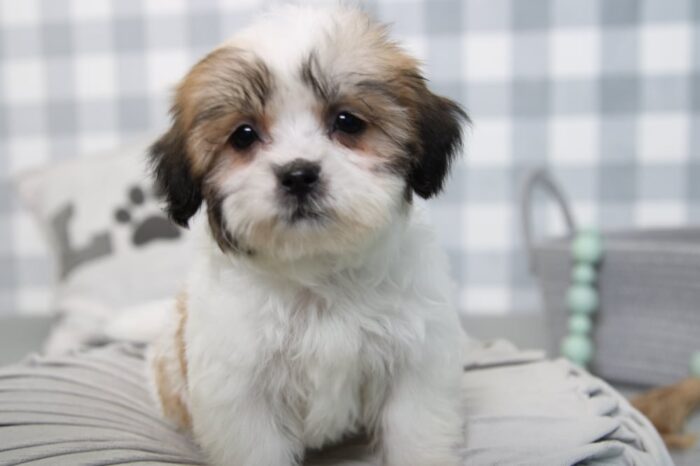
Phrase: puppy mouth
(307, 208)
(304, 212)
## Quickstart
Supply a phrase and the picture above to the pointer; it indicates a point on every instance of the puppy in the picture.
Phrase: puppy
(319, 307)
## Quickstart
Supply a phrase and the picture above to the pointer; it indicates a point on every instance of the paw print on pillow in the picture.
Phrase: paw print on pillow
(147, 227)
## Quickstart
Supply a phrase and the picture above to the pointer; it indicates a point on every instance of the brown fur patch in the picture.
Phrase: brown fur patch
(171, 371)
(173, 406)
(414, 132)
(181, 306)
(387, 125)
(668, 408)
(226, 88)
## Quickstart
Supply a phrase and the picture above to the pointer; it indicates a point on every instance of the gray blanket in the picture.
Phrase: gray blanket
(92, 408)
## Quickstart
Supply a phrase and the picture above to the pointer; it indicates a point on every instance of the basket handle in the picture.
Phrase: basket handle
(540, 178)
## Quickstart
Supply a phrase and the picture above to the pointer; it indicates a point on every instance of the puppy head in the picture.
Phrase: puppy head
(305, 134)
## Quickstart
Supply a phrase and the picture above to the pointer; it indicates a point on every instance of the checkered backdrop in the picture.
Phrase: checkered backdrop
(604, 92)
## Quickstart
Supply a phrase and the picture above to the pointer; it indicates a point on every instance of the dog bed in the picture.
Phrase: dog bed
(93, 408)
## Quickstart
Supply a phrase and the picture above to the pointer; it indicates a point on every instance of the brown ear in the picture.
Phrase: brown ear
(440, 124)
(174, 180)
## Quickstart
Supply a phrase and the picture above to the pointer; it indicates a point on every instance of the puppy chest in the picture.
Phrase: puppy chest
(330, 406)
(334, 384)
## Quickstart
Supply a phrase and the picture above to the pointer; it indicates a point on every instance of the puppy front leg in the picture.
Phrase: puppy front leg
(244, 433)
(422, 422)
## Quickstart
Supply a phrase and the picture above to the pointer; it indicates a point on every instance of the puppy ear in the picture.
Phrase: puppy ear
(440, 123)
(173, 175)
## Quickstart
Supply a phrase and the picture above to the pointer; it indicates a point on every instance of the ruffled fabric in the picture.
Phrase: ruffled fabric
(93, 408)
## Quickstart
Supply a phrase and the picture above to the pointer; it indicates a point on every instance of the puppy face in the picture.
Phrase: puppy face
(305, 134)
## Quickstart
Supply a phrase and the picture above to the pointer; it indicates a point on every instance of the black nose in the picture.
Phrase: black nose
(298, 177)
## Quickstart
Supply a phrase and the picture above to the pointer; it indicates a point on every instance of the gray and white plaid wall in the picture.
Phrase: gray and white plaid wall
(605, 92)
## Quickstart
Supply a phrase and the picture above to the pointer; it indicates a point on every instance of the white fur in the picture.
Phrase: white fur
(327, 329)
(280, 360)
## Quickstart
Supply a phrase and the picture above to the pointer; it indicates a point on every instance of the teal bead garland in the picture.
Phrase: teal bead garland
(577, 349)
(587, 247)
(695, 364)
(582, 298)
(580, 324)
(584, 274)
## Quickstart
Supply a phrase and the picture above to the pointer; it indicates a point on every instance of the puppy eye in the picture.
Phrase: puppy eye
(348, 123)
(243, 137)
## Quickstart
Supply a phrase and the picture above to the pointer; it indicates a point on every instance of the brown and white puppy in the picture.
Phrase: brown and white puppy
(320, 304)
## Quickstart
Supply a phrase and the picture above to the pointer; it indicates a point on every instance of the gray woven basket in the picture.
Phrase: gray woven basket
(648, 323)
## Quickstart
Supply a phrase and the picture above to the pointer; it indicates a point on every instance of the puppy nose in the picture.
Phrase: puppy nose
(299, 177)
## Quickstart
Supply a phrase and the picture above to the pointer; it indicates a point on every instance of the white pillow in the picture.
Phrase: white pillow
(114, 247)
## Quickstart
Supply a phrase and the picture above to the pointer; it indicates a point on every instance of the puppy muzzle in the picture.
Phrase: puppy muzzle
(301, 188)
(299, 178)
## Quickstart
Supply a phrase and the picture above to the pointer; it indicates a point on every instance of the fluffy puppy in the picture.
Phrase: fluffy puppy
(320, 305)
